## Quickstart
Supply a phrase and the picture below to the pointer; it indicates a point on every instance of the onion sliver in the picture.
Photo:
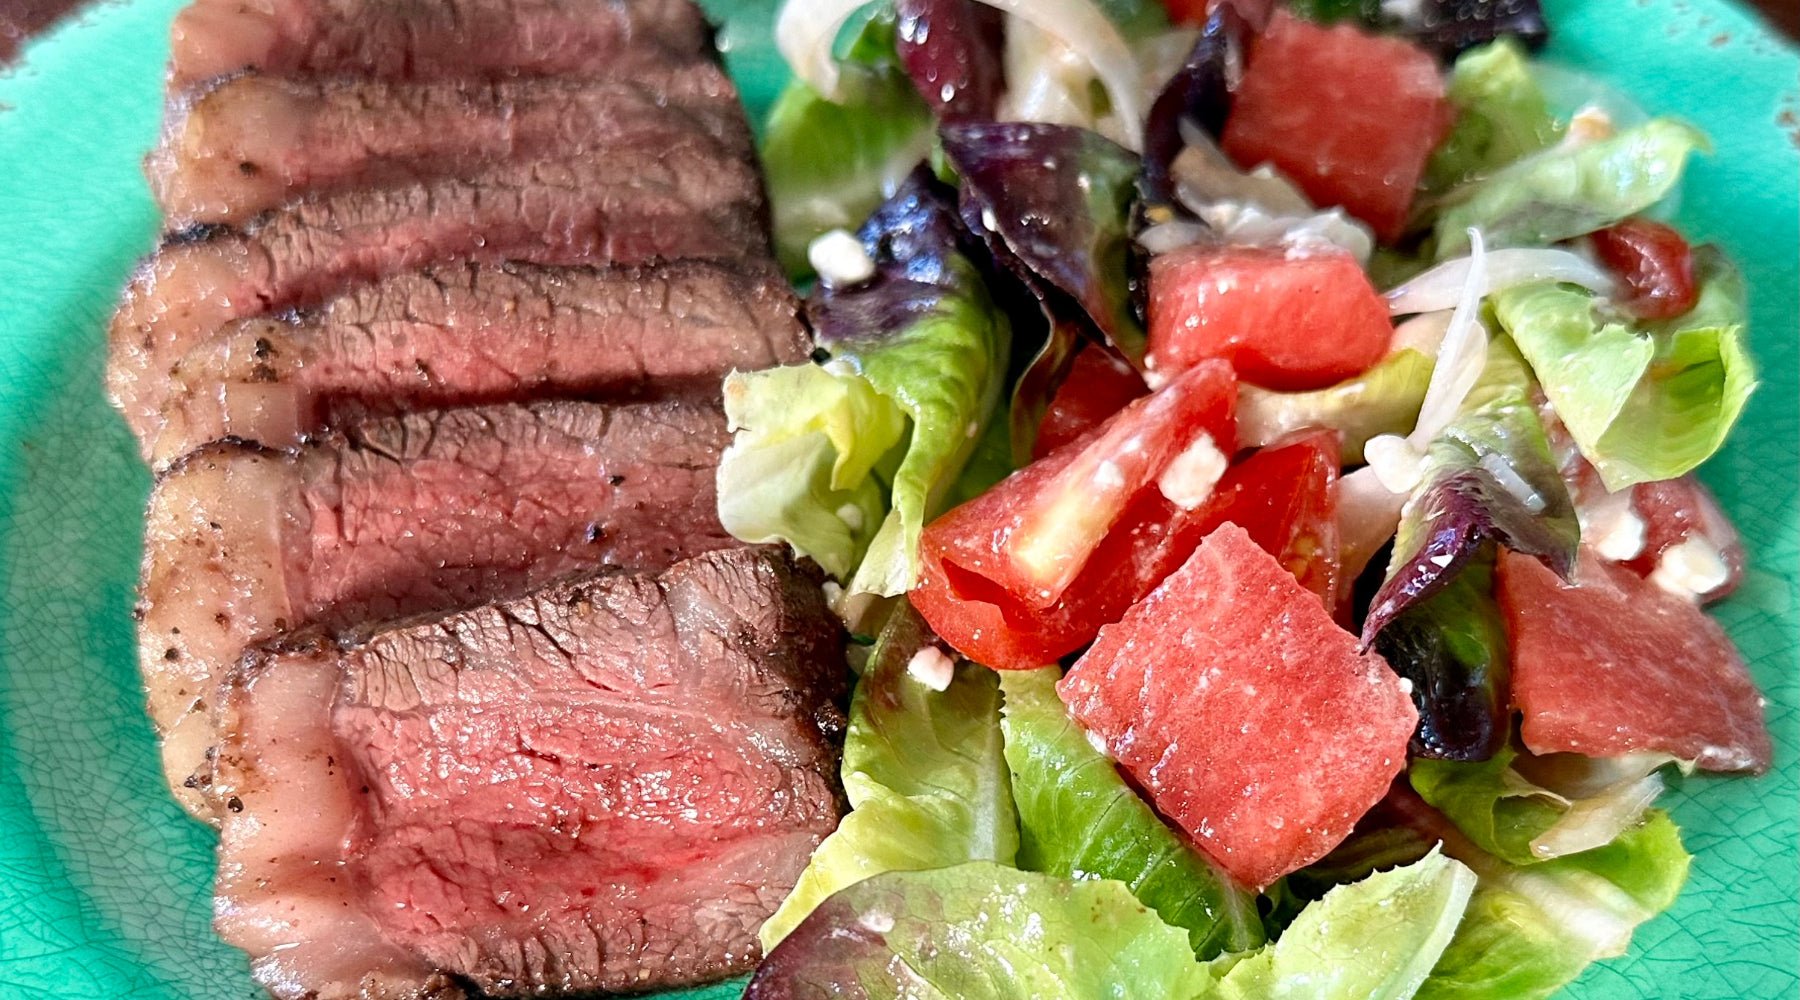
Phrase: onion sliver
(1442, 286)
(1462, 355)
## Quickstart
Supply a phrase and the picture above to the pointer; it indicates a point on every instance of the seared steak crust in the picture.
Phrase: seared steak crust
(419, 513)
(625, 205)
(255, 141)
(460, 335)
(429, 39)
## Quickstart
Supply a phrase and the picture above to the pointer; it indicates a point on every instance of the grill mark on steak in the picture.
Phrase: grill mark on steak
(459, 335)
(256, 141)
(624, 205)
(407, 39)
(606, 785)
(420, 513)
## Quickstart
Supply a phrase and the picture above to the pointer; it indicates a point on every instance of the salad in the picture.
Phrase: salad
(1253, 445)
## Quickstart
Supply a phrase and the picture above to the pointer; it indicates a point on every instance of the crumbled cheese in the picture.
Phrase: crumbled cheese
(1188, 480)
(1406, 686)
(1612, 526)
(840, 259)
(1397, 464)
(852, 516)
(1691, 567)
(932, 668)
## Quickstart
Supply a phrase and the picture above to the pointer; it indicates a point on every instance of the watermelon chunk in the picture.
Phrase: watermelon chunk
(1613, 664)
(1284, 321)
(1245, 712)
(1348, 116)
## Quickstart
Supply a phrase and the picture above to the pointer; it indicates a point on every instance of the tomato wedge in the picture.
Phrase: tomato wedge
(1092, 511)
(1655, 263)
(1283, 496)
(1099, 385)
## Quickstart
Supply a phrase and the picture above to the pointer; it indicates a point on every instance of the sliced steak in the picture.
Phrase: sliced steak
(625, 205)
(608, 785)
(476, 333)
(254, 141)
(429, 39)
(426, 512)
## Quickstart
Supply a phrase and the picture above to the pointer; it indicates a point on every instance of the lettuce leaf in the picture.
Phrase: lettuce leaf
(801, 469)
(1376, 939)
(1644, 402)
(1053, 204)
(1502, 115)
(847, 461)
(1489, 477)
(979, 931)
(1567, 191)
(1529, 931)
(1383, 400)
(828, 164)
(1452, 647)
(923, 771)
(1079, 819)
(1525, 810)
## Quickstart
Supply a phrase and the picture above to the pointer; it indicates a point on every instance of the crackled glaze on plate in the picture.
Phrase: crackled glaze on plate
(105, 885)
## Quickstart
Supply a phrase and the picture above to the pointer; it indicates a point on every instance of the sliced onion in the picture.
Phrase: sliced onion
(1166, 236)
(1463, 354)
(1368, 515)
(1204, 175)
(1442, 286)
(806, 32)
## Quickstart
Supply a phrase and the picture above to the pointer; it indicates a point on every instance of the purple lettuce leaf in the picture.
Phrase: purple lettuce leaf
(1452, 647)
(1055, 201)
(951, 49)
(917, 242)
(1490, 477)
(1200, 94)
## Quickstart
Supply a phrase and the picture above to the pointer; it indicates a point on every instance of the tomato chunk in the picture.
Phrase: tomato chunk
(1348, 116)
(1247, 714)
(1099, 385)
(1654, 262)
(1683, 521)
(1118, 540)
(1287, 323)
(1612, 664)
(1285, 496)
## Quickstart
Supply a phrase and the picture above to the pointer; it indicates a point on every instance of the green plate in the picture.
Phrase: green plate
(104, 883)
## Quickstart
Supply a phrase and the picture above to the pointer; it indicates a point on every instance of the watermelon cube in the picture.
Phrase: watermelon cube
(1284, 320)
(1614, 664)
(1349, 116)
(1246, 713)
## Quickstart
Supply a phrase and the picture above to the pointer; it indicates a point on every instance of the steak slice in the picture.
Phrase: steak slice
(622, 205)
(421, 513)
(607, 785)
(429, 39)
(459, 335)
(255, 141)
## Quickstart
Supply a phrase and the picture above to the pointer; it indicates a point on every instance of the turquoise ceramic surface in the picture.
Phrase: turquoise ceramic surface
(104, 883)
